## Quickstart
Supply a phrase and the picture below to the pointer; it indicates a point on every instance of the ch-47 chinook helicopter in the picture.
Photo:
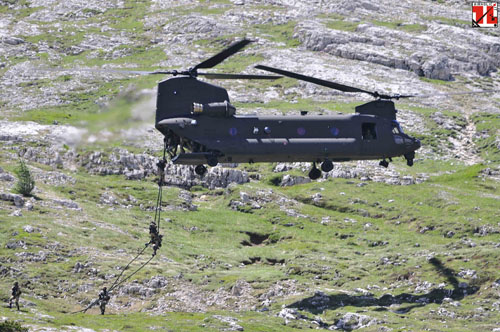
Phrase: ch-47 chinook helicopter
(198, 117)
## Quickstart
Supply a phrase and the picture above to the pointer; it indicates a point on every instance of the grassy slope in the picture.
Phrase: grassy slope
(342, 255)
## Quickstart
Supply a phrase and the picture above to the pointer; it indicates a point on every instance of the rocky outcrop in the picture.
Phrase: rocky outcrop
(289, 180)
(363, 170)
(410, 51)
(18, 200)
(132, 166)
(216, 177)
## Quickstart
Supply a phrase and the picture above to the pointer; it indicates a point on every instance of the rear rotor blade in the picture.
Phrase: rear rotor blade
(108, 70)
(221, 56)
(239, 76)
(318, 81)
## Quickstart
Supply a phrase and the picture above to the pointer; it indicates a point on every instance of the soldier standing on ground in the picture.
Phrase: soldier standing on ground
(103, 299)
(16, 293)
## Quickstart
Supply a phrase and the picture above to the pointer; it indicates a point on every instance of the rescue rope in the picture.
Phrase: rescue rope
(116, 283)
(126, 267)
(161, 172)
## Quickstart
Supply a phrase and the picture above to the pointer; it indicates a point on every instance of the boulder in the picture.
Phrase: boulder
(437, 68)
(352, 321)
(18, 200)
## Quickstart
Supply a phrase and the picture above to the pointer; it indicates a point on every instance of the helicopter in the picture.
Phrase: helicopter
(200, 125)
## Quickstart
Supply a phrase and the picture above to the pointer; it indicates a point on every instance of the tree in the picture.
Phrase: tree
(25, 182)
(9, 326)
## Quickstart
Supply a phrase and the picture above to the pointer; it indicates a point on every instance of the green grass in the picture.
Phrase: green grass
(342, 25)
(400, 25)
(279, 33)
(435, 81)
(487, 125)
(447, 20)
(238, 63)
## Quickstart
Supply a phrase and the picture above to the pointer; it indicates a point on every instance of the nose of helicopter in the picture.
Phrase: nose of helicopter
(416, 144)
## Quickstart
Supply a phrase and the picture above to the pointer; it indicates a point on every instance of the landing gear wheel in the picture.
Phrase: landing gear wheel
(326, 166)
(314, 173)
(212, 161)
(384, 163)
(409, 158)
(200, 170)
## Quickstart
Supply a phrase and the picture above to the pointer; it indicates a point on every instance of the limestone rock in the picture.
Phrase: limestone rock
(18, 200)
(352, 321)
(289, 180)
(67, 204)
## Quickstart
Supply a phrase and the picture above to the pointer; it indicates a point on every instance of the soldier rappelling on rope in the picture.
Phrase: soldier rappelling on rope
(155, 237)
(155, 240)
(161, 171)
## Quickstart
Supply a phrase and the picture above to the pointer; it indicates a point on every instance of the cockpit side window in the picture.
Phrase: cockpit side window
(396, 128)
(368, 131)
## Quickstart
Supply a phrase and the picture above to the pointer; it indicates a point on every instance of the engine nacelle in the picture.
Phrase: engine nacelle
(220, 110)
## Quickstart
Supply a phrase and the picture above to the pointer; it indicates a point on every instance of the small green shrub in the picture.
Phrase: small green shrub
(275, 180)
(25, 182)
(9, 326)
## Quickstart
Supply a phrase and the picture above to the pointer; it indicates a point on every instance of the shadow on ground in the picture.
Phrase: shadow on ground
(321, 302)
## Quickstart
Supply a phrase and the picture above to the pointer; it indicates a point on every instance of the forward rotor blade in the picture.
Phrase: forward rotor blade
(221, 56)
(314, 80)
(239, 76)
(450, 94)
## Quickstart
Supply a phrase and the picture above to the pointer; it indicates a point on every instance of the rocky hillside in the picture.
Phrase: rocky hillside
(248, 247)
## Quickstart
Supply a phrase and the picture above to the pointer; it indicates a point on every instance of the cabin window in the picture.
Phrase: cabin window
(368, 131)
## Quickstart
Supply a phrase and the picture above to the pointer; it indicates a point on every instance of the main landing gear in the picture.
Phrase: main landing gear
(384, 163)
(201, 169)
(326, 166)
(314, 173)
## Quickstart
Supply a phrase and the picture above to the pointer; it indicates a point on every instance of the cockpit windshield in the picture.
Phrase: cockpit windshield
(396, 128)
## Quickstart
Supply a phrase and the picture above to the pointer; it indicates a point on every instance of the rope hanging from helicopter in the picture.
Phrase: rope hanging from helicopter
(154, 229)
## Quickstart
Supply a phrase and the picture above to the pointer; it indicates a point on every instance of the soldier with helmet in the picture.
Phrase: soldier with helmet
(103, 299)
(16, 293)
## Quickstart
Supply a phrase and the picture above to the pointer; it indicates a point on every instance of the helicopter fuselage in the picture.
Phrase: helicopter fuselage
(197, 117)
(248, 139)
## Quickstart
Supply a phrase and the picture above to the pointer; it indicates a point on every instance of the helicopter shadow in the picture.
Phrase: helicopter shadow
(320, 302)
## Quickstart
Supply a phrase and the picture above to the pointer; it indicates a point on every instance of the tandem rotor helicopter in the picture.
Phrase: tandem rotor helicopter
(201, 127)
